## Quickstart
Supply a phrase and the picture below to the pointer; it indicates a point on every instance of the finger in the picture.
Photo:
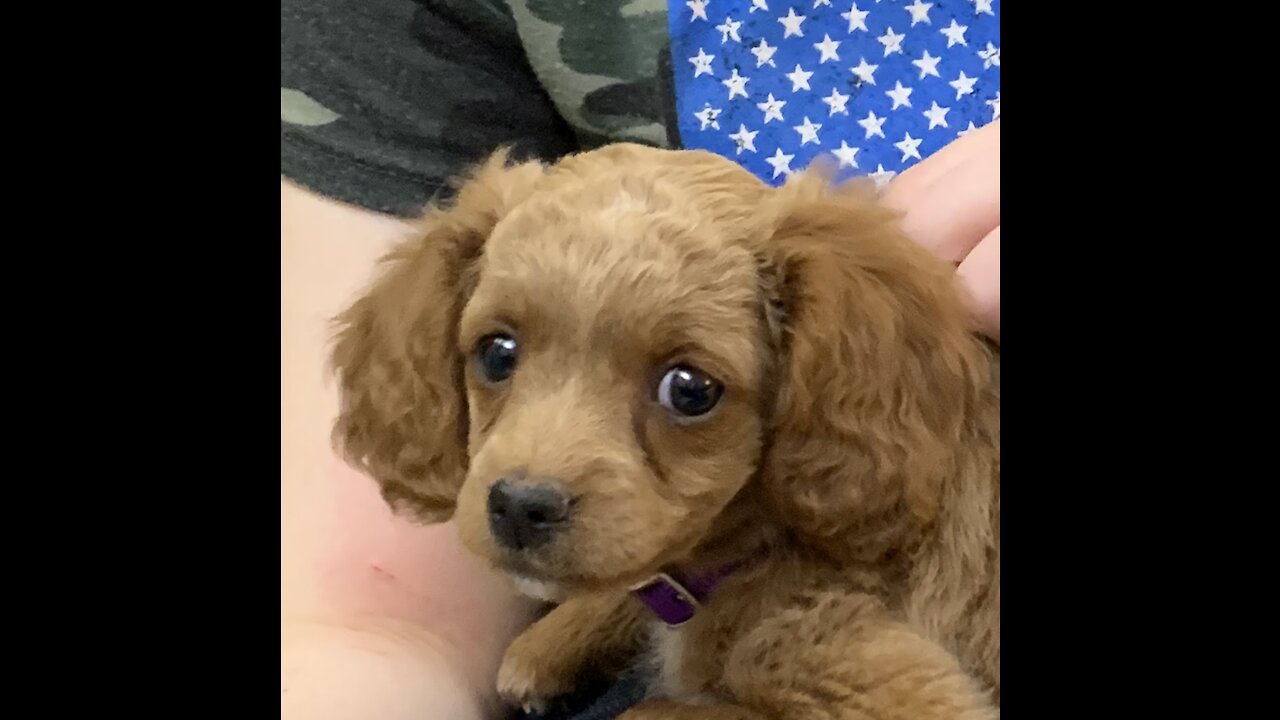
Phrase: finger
(980, 274)
(905, 188)
(958, 209)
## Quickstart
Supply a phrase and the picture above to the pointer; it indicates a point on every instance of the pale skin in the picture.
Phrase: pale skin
(382, 618)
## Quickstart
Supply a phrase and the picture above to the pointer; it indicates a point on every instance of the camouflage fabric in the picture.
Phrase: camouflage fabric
(382, 101)
(606, 65)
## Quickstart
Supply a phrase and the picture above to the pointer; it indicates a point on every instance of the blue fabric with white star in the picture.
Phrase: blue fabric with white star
(875, 85)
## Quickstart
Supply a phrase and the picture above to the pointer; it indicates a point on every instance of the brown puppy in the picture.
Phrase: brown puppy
(640, 361)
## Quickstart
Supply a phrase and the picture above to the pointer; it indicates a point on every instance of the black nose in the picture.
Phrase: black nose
(526, 516)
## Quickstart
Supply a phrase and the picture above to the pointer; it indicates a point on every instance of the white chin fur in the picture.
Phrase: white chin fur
(536, 589)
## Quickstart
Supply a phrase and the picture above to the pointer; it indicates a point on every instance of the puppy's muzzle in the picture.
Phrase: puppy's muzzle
(526, 516)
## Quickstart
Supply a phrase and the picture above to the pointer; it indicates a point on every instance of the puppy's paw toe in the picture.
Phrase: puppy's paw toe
(528, 686)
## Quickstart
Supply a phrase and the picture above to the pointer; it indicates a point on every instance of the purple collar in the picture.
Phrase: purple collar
(675, 597)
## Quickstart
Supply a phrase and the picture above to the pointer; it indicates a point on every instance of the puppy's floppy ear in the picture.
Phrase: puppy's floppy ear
(403, 417)
(878, 369)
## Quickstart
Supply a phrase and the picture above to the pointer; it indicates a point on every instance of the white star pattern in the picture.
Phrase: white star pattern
(937, 115)
(864, 72)
(963, 85)
(836, 102)
(857, 18)
(919, 12)
(764, 53)
(873, 125)
(882, 176)
(702, 63)
(772, 109)
(745, 139)
(955, 33)
(901, 96)
(828, 49)
(909, 146)
(892, 43)
(729, 30)
(799, 79)
(792, 24)
(808, 132)
(990, 56)
(708, 117)
(737, 84)
(782, 98)
(846, 155)
(781, 163)
(928, 65)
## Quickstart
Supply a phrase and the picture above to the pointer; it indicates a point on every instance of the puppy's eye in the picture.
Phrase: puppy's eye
(688, 391)
(496, 357)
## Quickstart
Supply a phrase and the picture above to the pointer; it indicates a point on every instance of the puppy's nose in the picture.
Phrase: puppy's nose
(523, 516)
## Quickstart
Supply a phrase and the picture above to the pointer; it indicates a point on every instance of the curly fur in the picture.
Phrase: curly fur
(854, 458)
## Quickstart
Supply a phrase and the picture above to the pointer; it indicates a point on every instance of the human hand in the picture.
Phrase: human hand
(374, 669)
(952, 206)
(396, 619)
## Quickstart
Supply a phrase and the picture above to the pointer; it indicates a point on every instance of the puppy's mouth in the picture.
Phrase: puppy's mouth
(538, 576)
(537, 567)
(531, 579)
(543, 590)
(542, 537)
(519, 565)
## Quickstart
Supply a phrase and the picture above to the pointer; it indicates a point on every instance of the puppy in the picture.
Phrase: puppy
(747, 430)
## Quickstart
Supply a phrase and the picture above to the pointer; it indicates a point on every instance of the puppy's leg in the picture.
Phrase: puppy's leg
(545, 660)
(841, 657)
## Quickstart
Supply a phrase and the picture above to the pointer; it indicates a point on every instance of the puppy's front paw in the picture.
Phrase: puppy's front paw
(529, 680)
